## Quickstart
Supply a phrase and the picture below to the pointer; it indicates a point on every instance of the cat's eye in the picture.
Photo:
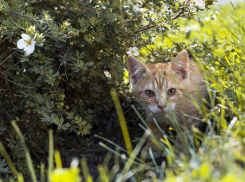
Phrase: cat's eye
(149, 93)
(171, 91)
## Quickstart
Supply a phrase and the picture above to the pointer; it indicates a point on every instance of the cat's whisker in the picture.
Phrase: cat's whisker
(178, 115)
(179, 110)
(144, 108)
(179, 107)
(131, 115)
(194, 92)
(149, 116)
(142, 111)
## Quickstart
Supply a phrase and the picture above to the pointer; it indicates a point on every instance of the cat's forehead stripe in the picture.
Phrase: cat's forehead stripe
(159, 76)
(154, 82)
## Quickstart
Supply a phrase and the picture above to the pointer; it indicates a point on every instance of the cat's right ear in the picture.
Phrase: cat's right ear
(136, 69)
(180, 64)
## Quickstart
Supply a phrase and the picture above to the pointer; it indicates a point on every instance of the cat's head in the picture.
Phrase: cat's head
(159, 86)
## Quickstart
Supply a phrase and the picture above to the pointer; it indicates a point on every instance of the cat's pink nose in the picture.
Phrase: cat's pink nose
(160, 107)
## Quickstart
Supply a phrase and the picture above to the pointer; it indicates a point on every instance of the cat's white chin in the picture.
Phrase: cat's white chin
(155, 110)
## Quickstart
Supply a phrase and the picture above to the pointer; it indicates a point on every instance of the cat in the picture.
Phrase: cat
(162, 87)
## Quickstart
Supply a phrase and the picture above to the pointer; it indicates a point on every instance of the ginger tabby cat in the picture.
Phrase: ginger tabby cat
(161, 87)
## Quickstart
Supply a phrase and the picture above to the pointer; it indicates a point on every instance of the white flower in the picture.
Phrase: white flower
(142, 10)
(151, 12)
(216, 12)
(191, 28)
(133, 51)
(214, 17)
(153, 39)
(166, 10)
(136, 8)
(212, 69)
(123, 156)
(107, 74)
(233, 121)
(27, 43)
(206, 19)
(74, 163)
(200, 5)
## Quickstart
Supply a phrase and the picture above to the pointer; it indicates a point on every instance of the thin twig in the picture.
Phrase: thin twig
(16, 83)
(46, 75)
(8, 57)
(147, 47)
(3, 54)
(12, 66)
(165, 22)
(7, 114)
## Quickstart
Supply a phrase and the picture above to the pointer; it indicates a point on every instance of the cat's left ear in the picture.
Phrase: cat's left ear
(136, 69)
(180, 64)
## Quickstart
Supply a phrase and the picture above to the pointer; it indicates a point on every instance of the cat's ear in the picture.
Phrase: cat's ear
(180, 64)
(136, 69)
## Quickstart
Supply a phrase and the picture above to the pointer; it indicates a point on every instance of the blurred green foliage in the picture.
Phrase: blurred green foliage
(216, 40)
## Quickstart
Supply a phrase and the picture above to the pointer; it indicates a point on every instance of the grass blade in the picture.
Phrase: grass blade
(85, 170)
(28, 156)
(8, 160)
(122, 121)
(42, 173)
(51, 154)
(57, 159)
(20, 178)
